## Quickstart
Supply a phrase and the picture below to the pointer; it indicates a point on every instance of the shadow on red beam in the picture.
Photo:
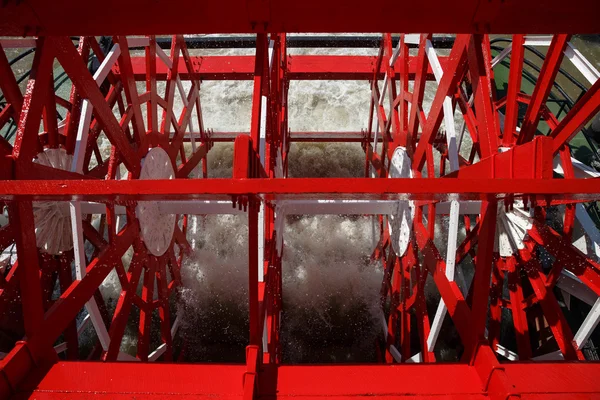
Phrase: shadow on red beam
(299, 68)
(302, 188)
(533, 159)
(314, 137)
(162, 17)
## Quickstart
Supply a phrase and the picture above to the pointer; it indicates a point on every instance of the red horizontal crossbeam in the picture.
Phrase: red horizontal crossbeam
(301, 188)
(314, 67)
(66, 380)
(72, 17)
(335, 137)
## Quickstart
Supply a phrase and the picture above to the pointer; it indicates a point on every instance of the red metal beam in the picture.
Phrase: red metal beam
(29, 274)
(574, 190)
(301, 67)
(482, 94)
(70, 380)
(483, 270)
(73, 17)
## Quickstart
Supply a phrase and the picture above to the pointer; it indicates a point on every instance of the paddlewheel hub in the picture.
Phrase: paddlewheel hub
(156, 227)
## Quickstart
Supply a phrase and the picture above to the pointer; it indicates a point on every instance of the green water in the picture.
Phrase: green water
(589, 46)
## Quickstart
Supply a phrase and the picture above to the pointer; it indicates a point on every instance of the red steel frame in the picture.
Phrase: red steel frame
(524, 170)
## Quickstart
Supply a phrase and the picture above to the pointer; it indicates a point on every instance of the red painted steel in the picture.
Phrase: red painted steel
(554, 191)
(300, 67)
(453, 381)
(520, 178)
(139, 17)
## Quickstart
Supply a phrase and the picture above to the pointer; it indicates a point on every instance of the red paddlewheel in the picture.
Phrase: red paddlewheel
(484, 231)
(70, 149)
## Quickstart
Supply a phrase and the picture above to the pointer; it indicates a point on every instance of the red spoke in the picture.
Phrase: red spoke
(74, 298)
(552, 312)
(448, 86)
(163, 310)
(123, 308)
(131, 94)
(543, 86)
(27, 144)
(29, 274)
(73, 65)
(518, 313)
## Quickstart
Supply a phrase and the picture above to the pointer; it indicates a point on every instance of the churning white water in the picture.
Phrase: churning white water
(330, 288)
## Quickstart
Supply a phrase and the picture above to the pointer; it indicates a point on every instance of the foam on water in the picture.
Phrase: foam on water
(330, 289)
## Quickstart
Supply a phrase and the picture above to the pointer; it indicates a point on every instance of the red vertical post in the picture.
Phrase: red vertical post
(488, 142)
(21, 215)
(395, 292)
(405, 331)
(518, 313)
(418, 93)
(65, 280)
(402, 97)
(483, 269)
(163, 308)
(496, 301)
(131, 94)
(259, 65)
(75, 99)
(253, 260)
(146, 312)
(152, 107)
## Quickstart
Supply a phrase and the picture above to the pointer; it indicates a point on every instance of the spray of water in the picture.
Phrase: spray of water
(330, 288)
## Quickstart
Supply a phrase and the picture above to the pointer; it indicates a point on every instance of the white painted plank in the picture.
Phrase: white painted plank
(503, 351)
(589, 324)
(138, 41)
(572, 285)
(502, 55)
(417, 358)
(538, 40)
(17, 43)
(582, 64)
(589, 227)
(412, 38)
(110, 60)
